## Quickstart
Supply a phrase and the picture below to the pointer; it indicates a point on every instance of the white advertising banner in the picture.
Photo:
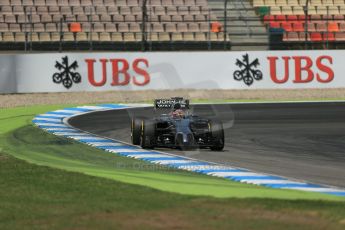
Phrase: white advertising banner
(62, 72)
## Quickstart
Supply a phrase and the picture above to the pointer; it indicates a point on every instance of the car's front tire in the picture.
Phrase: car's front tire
(217, 135)
(147, 137)
(135, 131)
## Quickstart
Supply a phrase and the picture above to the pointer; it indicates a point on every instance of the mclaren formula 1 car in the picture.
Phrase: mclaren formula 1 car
(176, 127)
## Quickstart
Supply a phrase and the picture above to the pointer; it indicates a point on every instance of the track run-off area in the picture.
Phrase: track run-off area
(303, 141)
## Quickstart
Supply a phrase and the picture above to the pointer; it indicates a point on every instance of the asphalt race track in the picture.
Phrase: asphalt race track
(298, 140)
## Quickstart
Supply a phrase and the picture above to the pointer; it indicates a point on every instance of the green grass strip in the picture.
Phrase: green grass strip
(39, 197)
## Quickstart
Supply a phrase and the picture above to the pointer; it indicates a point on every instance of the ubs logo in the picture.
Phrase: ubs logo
(67, 74)
(248, 71)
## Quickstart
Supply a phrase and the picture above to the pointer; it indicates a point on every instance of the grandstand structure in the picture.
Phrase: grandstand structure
(170, 24)
(304, 23)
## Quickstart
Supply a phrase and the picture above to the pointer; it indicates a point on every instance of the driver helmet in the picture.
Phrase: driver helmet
(177, 106)
(178, 112)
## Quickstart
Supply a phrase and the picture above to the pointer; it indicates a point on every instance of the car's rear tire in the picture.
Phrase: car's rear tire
(147, 137)
(217, 135)
(135, 131)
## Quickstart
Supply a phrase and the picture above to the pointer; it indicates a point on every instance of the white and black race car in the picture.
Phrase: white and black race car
(176, 127)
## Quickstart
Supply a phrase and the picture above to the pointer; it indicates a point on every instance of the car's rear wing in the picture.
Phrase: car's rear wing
(169, 103)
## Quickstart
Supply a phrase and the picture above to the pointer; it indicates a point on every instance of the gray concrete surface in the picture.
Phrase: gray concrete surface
(298, 140)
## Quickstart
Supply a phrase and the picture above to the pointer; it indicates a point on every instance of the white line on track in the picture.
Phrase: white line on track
(52, 115)
(166, 162)
(58, 129)
(102, 144)
(206, 167)
(124, 150)
(69, 133)
(225, 174)
(92, 107)
(259, 181)
(67, 111)
(311, 189)
(48, 119)
(50, 124)
(150, 156)
(86, 137)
